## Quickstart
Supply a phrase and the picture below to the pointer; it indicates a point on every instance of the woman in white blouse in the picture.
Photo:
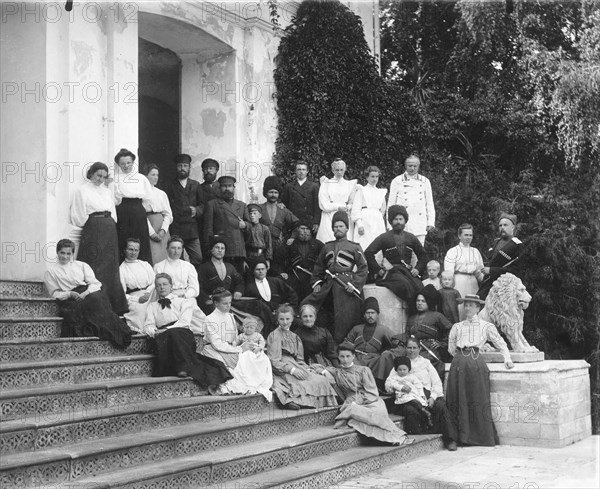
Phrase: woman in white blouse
(468, 385)
(368, 209)
(93, 210)
(137, 279)
(132, 190)
(168, 321)
(160, 216)
(250, 367)
(466, 263)
(81, 300)
(335, 194)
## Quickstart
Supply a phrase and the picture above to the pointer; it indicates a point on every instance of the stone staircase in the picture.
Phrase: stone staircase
(76, 412)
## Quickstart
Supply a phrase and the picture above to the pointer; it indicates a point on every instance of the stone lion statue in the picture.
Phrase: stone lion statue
(505, 306)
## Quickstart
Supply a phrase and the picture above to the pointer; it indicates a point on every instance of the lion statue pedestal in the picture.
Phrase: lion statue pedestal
(504, 307)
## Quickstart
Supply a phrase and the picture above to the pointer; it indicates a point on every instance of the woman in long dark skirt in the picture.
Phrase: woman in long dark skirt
(168, 322)
(468, 386)
(93, 210)
(81, 300)
(131, 189)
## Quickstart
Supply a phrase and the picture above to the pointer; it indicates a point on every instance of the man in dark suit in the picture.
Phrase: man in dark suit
(215, 273)
(228, 217)
(504, 255)
(280, 221)
(187, 203)
(272, 291)
(301, 257)
(301, 197)
(210, 191)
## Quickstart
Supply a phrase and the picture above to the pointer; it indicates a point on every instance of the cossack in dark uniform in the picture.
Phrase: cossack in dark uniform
(302, 255)
(340, 257)
(504, 258)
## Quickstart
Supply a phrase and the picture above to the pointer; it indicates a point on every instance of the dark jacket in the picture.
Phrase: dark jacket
(303, 200)
(181, 199)
(223, 218)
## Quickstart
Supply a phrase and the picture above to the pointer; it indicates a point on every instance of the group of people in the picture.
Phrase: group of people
(275, 291)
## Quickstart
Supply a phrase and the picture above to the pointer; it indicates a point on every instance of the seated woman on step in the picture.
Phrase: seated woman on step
(247, 363)
(363, 409)
(295, 384)
(81, 301)
(168, 321)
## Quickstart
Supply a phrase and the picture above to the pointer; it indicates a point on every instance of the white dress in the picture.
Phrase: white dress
(368, 211)
(160, 217)
(463, 261)
(251, 372)
(136, 274)
(333, 194)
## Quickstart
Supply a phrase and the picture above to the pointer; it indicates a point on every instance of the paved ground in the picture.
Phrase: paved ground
(572, 467)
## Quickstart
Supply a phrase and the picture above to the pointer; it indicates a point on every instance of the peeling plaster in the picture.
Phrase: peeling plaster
(213, 122)
(83, 56)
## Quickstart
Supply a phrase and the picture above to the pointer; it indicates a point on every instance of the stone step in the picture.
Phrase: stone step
(327, 470)
(37, 432)
(27, 375)
(311, 454)
(34, 350)
(30, 329)
(221, 449)
(21, 307)
(110, 394)
(12, 288)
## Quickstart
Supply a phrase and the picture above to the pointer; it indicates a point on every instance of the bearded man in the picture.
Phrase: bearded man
(397, 247)
(228, 217)
(280, 221)
(302, 255)
(346, 264)
(376, 345)
(210, 191)
(187, 203)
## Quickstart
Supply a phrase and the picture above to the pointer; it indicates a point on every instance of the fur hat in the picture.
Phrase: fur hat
(394, 210)
(271, 183)
(218, 238)
(431, 295)
(371, 303)
(340, 216)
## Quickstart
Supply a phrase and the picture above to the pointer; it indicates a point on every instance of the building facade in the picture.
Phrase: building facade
(158, 78)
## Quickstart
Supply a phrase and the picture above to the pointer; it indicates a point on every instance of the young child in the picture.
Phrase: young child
(433, 271)
(258, 237)
(448, 297)
(250, 334)
(408, 389)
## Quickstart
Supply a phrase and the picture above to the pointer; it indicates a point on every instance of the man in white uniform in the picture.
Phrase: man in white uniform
(413, 191)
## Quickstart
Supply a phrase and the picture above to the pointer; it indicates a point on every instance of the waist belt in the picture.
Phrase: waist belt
(254, 249)
(80, 289)
(100, 214)
(468, 349)
(166, 325)
(464, 273)
(152, 213)
(130, 200)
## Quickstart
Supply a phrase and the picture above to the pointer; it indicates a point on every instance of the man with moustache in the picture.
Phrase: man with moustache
(187, 203)
(397, 247)
(302, 256)
(376, 345)
(210, 191)
(280, 221)
(346, 261)
(504, 255)
(228, 217)
(301, 197)
(413, 191)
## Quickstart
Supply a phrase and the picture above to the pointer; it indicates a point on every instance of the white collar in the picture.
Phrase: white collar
(183, 183)
(301, 182)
